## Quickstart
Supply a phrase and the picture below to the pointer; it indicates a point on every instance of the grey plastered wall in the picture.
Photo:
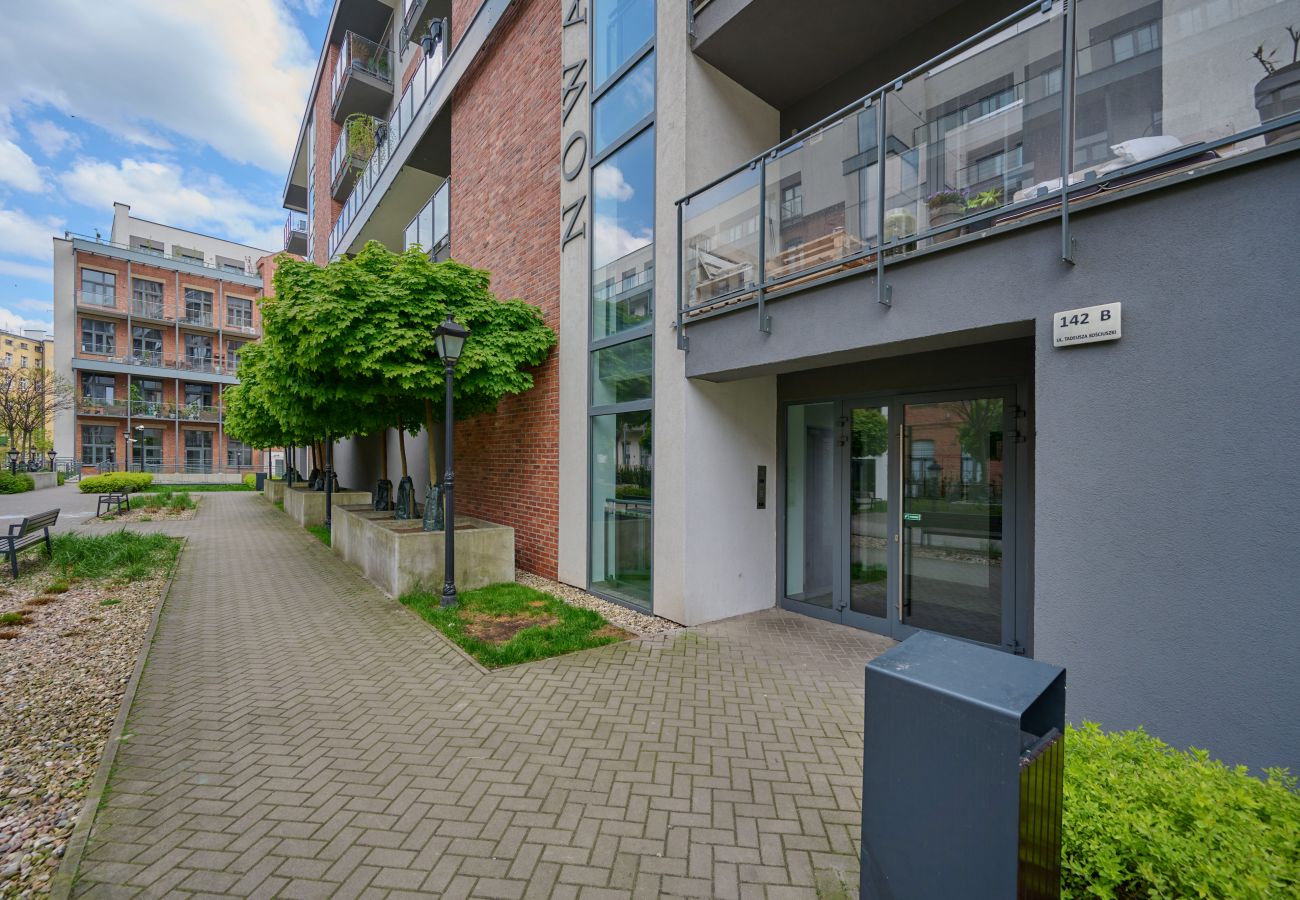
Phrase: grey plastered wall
(1165, 491)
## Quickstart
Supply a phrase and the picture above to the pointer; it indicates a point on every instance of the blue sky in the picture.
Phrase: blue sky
(185, 109)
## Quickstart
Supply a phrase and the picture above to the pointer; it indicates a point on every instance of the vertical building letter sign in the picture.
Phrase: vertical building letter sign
(573, 157)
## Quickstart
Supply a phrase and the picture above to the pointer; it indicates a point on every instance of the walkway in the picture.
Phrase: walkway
(297, 734)
(75, 508)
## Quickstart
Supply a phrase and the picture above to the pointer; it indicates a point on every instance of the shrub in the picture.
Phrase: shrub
(250, 480)
(61, 477)
(116, 481)
(1144, 820)
(16, 484)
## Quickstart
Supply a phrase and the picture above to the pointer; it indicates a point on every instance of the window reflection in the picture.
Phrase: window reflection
(621, 374)
(621, 514)
(626, 103)
(621, 27)
(623, 226)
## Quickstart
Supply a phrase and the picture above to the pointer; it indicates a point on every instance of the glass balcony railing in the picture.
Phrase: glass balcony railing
(430, 229)
(387, 138)
(146, 250)
(149, 308)
(972, 141)
(97, 298)
(295, 232)
(199, 317)
(355, 146)
(149, 409)
(360, 54)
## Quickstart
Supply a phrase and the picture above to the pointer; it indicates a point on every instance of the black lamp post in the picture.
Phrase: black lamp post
(329, 482)
(140, 441)
(13, 461)
(52, 454)
(450, 339)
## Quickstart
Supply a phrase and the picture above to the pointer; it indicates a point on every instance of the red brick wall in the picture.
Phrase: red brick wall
(505, 196)
(327, 134)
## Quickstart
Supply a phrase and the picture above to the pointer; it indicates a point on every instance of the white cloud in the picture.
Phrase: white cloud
(611, 185)
(614, 242)
(11, 321)
(26, 270)
(45, 306)
(165, 193)
(17, 169)
(22, 235)
(230, 74)
(51, 138)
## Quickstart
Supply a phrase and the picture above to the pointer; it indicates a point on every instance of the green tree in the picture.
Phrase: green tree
(870, 432)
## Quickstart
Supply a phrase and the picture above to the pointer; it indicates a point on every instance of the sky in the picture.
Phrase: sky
(187, 110)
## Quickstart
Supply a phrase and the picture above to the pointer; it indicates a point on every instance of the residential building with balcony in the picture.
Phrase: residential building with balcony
(155, 318)
(29, 348)
(903, 319)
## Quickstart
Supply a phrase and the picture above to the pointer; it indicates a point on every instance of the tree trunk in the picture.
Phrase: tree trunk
(401, 444)
(383, 454)
(432, 441)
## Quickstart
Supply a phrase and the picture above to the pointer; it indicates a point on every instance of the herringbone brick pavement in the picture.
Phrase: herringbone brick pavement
(298, 734)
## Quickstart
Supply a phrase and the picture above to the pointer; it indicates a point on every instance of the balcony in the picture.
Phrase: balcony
(431, 227)
(362, 81)
(972, 146)
(243, 274)
(148, 409)
(96, 300)
(295, 234)
(197, 318)
(149, 308)
(153, 364)
(355, 146)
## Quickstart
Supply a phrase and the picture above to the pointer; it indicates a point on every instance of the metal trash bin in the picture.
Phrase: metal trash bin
(259, 481)
(963, 759)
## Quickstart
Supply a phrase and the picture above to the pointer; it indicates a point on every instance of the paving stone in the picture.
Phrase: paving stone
(298, 734)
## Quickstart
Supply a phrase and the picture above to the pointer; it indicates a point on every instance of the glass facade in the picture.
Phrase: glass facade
(622, 301)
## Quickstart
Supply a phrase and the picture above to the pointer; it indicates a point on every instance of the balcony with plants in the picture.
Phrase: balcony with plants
(362, 81)
(971, 142)
(356, 145)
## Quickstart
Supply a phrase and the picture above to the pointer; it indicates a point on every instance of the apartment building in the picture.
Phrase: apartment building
(947, 317)
(29, 348)
(155, 318)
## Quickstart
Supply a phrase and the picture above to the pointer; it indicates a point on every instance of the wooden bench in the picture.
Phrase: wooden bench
(29, 532)
(114, 501)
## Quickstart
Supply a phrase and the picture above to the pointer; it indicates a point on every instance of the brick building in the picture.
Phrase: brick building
(154, 319)
(29, 348)
(772, 242)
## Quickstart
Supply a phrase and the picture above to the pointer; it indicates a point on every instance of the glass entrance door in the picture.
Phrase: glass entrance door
(955, 486)
(894, 514)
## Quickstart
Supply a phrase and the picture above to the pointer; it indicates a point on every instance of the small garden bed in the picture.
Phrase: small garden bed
(504, 624)
(163, 505)
(71, 633)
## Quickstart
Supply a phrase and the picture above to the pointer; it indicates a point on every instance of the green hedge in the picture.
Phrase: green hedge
(62, 477)
(16, 484)
(251, 480)
(1144, 820)
(116, 481)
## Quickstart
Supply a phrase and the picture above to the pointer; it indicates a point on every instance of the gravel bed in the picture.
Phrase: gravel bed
(61, 684)
(149, 515)
(615, 613)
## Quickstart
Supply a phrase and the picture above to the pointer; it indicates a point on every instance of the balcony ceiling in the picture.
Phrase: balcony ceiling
(367, 18)
(784, 52)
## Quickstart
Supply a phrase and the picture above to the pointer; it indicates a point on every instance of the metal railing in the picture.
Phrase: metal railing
(201, 463)
(348, 153)
(972, 142)
(150, 309)
(387, 139)
(158, 361)
(294, 224)
(149, 409)
(202, 318)
(149, 251)
(359, 54)
(431, 226)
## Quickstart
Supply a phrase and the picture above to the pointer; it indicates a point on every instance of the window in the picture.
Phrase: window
(621, 515)
(198, 351)
(996, 165)
(147, 345)
(23, 364)
(791, 202)
(187, 254)
(146, 449)
(233, 349)
(147, 298)
(198, 394)
(1051, 81)
(198, 306)
(97, 444)
(98, 388)
(9, 360)
(623, 222)
(99, 288)
(151, 390)
(621, 374)
(198, 451)
(625, 104)
(238, 455)
(619, 29)
(1142, 39)
(239, 312)
(97, 337)
(144, 245)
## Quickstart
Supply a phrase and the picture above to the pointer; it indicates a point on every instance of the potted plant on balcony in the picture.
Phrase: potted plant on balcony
(983, 202)
(1278, 92)
(361, 138)
(946, 205)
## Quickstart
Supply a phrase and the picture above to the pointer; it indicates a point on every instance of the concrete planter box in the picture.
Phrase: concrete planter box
(274, 491)
(307, 507)
(45, 479)
(399, 557)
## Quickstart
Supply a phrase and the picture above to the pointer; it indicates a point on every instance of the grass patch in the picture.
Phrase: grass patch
(279, 504)
(206, 488)
(12, 618)
(122, 554)
(109, 602)
(163, 498)
(322, 533)
(58, 586)
(504, 624)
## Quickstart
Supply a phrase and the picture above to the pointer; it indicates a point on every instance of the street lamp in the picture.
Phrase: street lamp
(450, 339)
(140, 429)
(13, 461)
(52, 454)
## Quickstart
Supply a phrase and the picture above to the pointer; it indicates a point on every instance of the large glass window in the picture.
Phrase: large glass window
(622, 373)
(98, 337)
(198, 306)
(624, 105)
(621, 513)
(239, 312)
(147, 345)
(619, 29)
(198, 394)
(238, 455)
(623, 229)
(147, 298)
(198, 352)
(146, 450)
(98, 444)
(99, 288)
(98, 387)
(198, 451)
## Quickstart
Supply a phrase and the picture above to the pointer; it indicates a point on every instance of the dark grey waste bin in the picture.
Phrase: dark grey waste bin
(961, 775)
(260, 481)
